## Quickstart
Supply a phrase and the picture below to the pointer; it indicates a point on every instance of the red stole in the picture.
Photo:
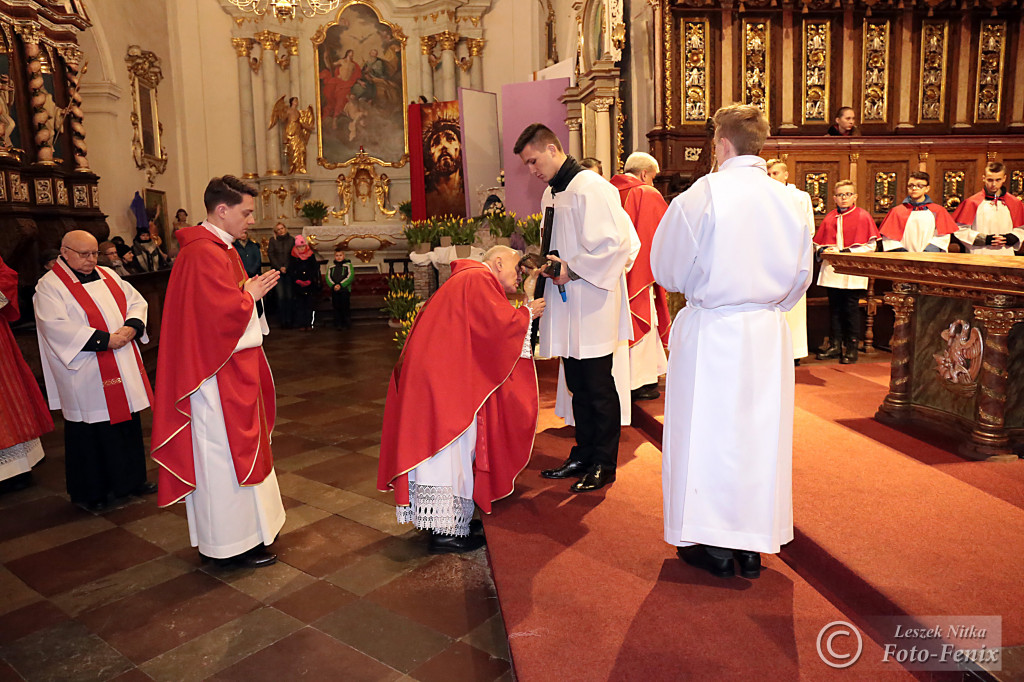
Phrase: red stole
(206, 312)
(645, 207)
(968, 209)
(113, 385)
(23, 412)
(896, 222)
(858, 229)
(460, 362)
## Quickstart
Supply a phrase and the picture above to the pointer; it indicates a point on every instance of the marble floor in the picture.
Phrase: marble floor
(121, 595)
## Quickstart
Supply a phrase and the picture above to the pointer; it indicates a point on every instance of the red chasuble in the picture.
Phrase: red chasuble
(968, 209)
(460, 362)
(206, 312)
(896, 222)
(645, 207)
(24, 415)
(858, 228)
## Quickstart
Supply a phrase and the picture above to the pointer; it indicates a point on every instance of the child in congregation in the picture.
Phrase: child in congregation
(339, 281)
(918, 224)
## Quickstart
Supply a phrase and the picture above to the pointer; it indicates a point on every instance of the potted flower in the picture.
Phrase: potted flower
(530, 230)
(502, 226)
(401, 299)
(405, 210)
(420, 235)
(445, 226)
(463, 236)
(315, 211)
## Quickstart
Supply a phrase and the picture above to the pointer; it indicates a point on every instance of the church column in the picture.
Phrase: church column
(291, 46)
(575, 126)
(964, 96)
(989, 439)
(243, 48)
(269, 42)
(476, 57)
(447, 41)
(788, 81)
(906, 74)
(659, 90)
(728, 91)
(37, 93)
(427, 64)
(603, 124)
(72, 60)
(849, 63)
(896, 405)
(1017, 108)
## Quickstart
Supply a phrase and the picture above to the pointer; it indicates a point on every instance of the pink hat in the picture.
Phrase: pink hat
(300, 240)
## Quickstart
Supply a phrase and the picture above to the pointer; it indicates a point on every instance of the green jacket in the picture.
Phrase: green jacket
(340, 273)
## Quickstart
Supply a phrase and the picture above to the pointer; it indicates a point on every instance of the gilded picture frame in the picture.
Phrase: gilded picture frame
(361, 89)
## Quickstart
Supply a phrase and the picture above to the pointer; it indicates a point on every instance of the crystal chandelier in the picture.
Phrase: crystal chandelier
(286, 9)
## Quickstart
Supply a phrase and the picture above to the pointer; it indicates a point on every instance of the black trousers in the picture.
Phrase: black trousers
(103, 459)
(844, 309)
(341, 301)
(595, 407)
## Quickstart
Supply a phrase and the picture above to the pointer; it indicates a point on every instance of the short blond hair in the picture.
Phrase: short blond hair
(744, 125)
(641, 161)
(846, 183)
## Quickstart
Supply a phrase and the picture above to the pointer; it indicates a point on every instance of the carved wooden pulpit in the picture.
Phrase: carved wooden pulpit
(957, 350)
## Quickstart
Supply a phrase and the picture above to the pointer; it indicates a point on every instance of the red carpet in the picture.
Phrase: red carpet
(590, 591)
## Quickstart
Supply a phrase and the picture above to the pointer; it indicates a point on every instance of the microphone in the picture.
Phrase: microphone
(555, 270)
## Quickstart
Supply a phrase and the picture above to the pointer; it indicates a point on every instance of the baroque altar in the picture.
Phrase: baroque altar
(957, 347)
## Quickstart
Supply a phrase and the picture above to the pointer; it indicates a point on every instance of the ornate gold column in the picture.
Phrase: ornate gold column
(476, 62)
(427, 66)
(37, 93)
(896, 405)
(72, 59)
(988, 439)
(447, 41)
(659, 90)
(269, 41)
(246, 66)
(603, 126)
(575, 126)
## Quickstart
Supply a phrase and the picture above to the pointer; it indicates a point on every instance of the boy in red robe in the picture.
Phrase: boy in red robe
(648, 305)
(24, 415)
(991, 221)
(849, 229)
(459, 431)
(917, 224)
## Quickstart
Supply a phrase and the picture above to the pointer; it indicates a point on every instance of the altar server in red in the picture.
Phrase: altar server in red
(991, 221)
(918, 224)
(727, 464)
(23, 412)
(461, 409)
(88, 320)
(215, 405)
(847, 229)
(648, 305)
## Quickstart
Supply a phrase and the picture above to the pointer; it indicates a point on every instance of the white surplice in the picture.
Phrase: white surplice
(796, 317)
(727, 457)
(919, 235)
(592, 234)
(992, 217)
(224, 518)
(72, 376)
(647, 359)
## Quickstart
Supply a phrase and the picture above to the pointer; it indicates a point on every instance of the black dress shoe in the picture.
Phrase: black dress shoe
(749, 563)
(596, 478)
(146, 488)
(257, 557)
(571, 469)
(697, 555)
(830, 353)
(95, 507)
(454, 544)
(476, 527)
(648, 392)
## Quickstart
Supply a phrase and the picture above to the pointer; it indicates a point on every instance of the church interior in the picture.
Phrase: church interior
(908, 489)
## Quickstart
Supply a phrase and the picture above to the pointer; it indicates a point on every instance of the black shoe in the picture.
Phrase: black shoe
(697, 555)
(749, 563)
(571, 469)
(454, 544)
(849, 353)
(476, 527)
(97, 507)
(833, 351)
(257, 557)
(648, 392)
(146, 488)
(596, 478)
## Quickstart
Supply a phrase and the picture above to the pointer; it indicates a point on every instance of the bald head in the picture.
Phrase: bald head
(79, 249)
(643, 166)
(504, 263)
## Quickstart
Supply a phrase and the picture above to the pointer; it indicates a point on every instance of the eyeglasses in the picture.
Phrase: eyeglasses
(915, 185)
(844, 195)
(84, 254)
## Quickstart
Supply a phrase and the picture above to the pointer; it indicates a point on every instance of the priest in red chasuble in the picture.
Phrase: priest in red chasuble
(23, 412)
(89, 321)
(648, 306)
(461, 410)
(214, 409)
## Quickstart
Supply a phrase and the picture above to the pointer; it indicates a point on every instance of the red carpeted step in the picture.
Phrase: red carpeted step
(589, 590)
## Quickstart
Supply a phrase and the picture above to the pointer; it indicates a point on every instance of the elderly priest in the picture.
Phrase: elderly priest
(461, 410)
(88, 319)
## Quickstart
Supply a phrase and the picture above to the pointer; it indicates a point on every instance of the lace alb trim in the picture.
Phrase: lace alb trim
(437, 508)
(527, 350)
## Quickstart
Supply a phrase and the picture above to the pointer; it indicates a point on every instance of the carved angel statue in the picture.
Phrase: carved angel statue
(298, 124)
(961, 361)
(383, 191)
(6, 104)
